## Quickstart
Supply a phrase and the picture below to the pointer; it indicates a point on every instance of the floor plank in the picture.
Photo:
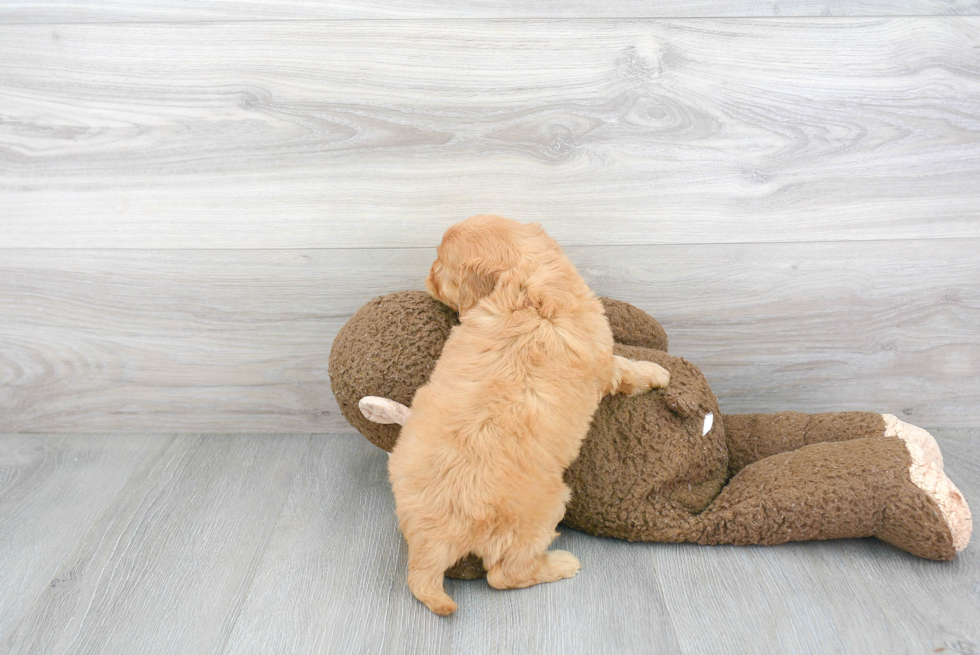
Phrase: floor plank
(848, 596)
(331, 558)
(935, 606)
(333, 581)
(239, 340)
(371, 134)
(797, 598)
(224, 10)
(53, 488)
(288, 543)
(168, 565)
(315, 594)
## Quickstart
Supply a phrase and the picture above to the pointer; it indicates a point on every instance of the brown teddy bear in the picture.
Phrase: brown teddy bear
(667, 465)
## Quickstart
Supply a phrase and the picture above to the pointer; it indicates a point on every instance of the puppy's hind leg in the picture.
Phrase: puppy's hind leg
(427, 564)
(634, 377)
(519, 570)
(520, 559)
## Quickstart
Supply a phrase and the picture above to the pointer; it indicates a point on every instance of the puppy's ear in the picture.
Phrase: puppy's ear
(477, 280)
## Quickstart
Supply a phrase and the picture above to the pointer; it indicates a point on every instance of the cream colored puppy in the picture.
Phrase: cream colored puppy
(478, 465)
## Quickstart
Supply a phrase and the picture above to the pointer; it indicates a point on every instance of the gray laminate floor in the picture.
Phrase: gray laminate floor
(288, 544)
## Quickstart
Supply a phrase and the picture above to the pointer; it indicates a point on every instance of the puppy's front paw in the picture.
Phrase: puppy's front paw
(650, 376)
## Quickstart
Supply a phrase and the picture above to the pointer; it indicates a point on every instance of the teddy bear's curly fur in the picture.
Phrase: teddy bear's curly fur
(669, 466)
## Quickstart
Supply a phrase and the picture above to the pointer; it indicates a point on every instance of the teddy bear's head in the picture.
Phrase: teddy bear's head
(390, 346)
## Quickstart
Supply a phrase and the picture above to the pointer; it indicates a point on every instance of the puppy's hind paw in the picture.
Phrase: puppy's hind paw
(560, 564)
(442, 607)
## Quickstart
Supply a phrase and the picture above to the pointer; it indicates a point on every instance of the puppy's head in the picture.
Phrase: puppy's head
(474, 255)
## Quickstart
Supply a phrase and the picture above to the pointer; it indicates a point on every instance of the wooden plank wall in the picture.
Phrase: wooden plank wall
(194, 197)
(54, 11)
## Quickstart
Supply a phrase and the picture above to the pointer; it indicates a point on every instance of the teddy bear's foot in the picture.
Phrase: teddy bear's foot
(926, 473)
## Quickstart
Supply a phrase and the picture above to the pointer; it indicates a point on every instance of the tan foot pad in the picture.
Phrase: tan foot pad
(927, 474)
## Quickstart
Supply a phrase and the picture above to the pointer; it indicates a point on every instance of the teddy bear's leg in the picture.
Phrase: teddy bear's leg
(752, 437)
(831, 490)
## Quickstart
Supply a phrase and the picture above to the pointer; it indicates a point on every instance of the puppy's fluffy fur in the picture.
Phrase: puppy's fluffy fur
(478, 465)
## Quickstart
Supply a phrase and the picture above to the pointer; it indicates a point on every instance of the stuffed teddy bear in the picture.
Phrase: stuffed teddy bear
(667, 465)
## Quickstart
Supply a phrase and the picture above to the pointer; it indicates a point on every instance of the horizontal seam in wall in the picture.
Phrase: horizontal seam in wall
(564, 245)
(487, 19)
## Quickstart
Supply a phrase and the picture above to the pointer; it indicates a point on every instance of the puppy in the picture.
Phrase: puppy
(479, 463)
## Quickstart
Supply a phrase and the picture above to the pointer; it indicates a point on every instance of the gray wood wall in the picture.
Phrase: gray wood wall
(194, 196)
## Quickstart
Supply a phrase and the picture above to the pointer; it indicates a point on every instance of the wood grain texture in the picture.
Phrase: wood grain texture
(947, 598)
(288, 544)
(167, 566)
(313, 594)
(172, 340)
(239, 340)
(63, 11)
(314, 591)
(333, 581)
(889, 327)
(372, 134)
(796, 598)
(52, 490)
(848, 596)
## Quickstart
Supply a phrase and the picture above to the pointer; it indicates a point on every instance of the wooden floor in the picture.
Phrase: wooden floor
(288, 544)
